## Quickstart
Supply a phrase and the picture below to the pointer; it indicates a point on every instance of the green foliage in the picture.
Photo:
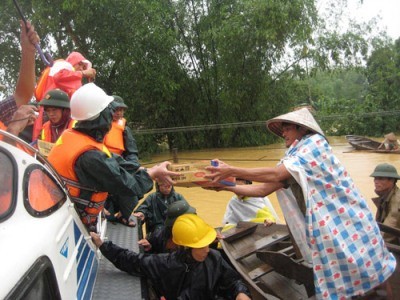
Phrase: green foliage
(202, 62)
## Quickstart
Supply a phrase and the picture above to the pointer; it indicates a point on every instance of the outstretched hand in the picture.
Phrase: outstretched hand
(161, 173)
(220, 172)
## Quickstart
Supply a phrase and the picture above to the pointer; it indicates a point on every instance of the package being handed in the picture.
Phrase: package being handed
(192, 175)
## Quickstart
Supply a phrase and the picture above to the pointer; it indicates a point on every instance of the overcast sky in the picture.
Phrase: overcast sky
(389, 11)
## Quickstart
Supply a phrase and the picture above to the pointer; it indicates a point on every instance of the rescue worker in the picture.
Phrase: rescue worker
(56, 107)
(194, 271)
(120, 140)
(90, 171)
(153, 210)
(161, 239)
(388, 200)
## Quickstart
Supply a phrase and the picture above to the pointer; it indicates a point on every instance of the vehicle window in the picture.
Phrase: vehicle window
(38, 283)
(7, 187)
(43, 195)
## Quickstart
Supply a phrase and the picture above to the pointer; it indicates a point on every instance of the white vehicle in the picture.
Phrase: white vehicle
(46, 251)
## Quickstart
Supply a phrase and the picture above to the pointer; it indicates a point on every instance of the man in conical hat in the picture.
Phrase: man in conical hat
(328, 217)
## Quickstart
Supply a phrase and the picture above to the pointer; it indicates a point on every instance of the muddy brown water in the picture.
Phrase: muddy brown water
(211, 205)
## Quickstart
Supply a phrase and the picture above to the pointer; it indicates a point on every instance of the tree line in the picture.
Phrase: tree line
(184, 63)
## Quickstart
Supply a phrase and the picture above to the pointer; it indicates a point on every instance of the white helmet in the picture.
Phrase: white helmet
(88, 102)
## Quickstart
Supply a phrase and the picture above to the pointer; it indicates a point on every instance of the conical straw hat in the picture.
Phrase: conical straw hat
(390, 136)
(301, 117)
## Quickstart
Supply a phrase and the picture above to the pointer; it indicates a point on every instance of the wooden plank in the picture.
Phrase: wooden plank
(282, 287)
(389, 229)
(264, 281)
(260, 271)
(241, 230)
(261, 243)
(289, 268)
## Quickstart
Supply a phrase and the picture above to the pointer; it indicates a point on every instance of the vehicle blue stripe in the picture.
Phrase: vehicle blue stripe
(87, 282)
(91, 280)
(87, 266)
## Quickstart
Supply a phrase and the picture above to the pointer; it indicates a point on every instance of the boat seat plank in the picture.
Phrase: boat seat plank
(289, 251)
(289, 268)
(264, 280)
(259, 244)
(282, 287)
(243, 229)
(260, 271)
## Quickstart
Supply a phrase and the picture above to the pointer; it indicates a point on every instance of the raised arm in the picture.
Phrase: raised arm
(26, 79)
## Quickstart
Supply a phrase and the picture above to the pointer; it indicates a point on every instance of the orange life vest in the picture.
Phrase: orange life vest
(46, 130)
(114, 140)
(69, 146)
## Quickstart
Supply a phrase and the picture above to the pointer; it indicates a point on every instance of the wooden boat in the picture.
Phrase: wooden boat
(367, 144)
(267, 260)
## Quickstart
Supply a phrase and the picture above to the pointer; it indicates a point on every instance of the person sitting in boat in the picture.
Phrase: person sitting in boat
(88, 168)
(56, 107)
(194, 271)
(388, 201)
(390, 142)
(329, 218)
(119, 140)
(250, 209)
(161, 239)
(153, 210)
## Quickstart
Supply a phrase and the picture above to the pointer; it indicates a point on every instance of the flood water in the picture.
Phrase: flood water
(211, 205)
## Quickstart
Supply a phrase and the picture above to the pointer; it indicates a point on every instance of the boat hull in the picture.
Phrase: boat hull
(267, 260)
(367, 144)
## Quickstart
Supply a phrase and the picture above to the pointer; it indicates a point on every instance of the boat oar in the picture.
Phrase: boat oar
(46, 57)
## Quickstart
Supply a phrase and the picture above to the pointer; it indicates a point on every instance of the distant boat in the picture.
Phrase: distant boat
(266, 258)
(364, 143)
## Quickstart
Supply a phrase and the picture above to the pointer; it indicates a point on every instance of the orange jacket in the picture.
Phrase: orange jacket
(69, 146)
(46, 130)
(114, 140)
